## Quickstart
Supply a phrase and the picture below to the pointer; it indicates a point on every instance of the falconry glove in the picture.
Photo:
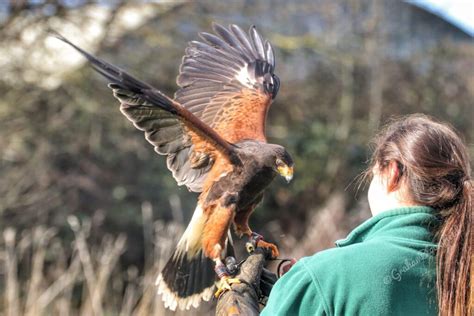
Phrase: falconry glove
(256, 283)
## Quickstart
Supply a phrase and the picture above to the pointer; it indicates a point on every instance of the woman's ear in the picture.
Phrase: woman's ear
(393, 173)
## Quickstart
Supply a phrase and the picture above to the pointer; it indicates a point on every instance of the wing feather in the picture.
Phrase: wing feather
(227, 58)
(244, 40)
(205, 51)
(270, 57)
(258, 44)
(221, 81)
(226, 36)
(221, 100)
(167, 125)
(215, 40)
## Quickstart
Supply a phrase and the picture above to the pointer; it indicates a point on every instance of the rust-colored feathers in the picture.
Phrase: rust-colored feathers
(220, 82)
(226, 85)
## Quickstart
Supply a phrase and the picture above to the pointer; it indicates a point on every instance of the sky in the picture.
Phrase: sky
(457, 12)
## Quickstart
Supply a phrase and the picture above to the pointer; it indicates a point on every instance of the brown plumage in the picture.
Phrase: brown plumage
(213, 134)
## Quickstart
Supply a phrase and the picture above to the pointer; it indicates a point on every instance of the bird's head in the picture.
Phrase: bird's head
(283, 163)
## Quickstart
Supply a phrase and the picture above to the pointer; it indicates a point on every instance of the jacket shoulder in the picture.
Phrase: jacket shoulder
(353, 277)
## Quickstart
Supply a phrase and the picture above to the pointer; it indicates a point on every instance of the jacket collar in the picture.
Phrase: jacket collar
(392, 222)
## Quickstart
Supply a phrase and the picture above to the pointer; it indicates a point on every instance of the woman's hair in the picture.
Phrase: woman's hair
(434, 167)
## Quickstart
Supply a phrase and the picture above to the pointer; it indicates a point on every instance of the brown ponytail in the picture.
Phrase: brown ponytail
(435, 169)
(454, 257)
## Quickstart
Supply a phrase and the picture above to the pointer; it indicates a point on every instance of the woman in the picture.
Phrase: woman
(413, 257)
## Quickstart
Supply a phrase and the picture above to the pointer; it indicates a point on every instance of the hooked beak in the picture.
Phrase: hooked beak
(286, 172)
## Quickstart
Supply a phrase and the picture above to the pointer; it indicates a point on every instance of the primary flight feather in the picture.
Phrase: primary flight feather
(213, 134)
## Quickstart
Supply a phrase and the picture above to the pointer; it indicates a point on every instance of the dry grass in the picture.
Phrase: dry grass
(38, 277)
(42, 274)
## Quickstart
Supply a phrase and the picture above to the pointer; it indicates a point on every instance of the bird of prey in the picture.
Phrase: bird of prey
(213, 134)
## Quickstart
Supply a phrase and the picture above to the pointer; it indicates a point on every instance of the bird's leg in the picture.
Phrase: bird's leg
(241, 222)
(241, 228)
(213, 239)
(225, 279)
(215, 231)
(256, 240)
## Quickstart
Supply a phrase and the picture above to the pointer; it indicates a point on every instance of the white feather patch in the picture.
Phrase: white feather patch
(172, 301)
(244, 78)
(190, 242)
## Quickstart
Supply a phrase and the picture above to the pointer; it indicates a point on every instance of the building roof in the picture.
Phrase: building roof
(459, 13)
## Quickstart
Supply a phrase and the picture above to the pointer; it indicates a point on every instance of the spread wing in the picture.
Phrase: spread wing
(227, 81)
(191, 145)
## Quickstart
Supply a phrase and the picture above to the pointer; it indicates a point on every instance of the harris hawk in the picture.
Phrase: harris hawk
(213, 134)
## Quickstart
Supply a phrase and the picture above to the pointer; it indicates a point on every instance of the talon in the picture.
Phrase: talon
(256, 240)
(225, 285)
(272, 247)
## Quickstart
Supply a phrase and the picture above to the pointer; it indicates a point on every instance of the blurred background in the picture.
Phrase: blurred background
(89, 213)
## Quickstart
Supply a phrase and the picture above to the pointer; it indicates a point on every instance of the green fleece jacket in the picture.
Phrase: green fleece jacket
(385, 266)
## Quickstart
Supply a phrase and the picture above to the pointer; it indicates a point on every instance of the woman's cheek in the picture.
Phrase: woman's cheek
(375, 194)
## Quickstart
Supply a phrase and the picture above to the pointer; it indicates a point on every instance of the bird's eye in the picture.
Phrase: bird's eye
(279, 162)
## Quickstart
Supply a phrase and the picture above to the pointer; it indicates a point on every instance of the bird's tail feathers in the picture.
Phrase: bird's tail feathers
(188, 277)
(185, 282)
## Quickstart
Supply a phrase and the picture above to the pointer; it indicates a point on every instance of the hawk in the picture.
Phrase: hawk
(213, 134)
